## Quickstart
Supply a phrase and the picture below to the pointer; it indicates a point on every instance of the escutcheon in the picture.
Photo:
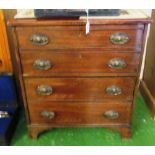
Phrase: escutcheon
(114, 90)
(111, 114)
(117, 63)
(39, 39)
(119, 38)
(41, 64)
(44, 90)
(48, 114)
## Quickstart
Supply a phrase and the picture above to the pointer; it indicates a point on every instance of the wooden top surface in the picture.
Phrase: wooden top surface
(65, 22)
(27, 18)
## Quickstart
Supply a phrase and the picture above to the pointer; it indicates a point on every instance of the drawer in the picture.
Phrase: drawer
(61, 37)
(102, 114)
(79, 89)
(74, 62)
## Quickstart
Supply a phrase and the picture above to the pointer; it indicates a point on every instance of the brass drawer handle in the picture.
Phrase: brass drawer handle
(41, 64)
(119, 38)
(114, 90)
(4, 114)
(48, 114)
(117, 63)
(44, 90)
(39, 39)
(111, 114)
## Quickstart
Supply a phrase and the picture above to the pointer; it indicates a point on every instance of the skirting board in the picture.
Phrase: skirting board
(149, 99)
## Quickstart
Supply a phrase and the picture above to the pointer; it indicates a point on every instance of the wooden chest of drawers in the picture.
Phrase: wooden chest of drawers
(70, 79)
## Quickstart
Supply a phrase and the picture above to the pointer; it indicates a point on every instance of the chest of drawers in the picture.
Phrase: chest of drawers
(70, 79)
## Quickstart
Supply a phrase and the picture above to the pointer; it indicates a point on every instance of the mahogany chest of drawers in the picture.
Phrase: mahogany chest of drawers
(70, 79)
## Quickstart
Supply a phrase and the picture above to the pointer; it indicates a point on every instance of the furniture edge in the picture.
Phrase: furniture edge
(66, 22)
(149, 99)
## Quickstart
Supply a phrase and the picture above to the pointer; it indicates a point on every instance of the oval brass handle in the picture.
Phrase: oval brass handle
(111, 114)
(41, 64)
(117, 63)
(119, 38)
(4, 114)
(48, 114)
(39, 39)
(114, 90)
(44, 90)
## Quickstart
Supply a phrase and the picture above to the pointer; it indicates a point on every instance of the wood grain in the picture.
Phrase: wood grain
(81, 113)
(64, 22)
(79, 76)
(75, 37)
(73, 62)
(79, 89)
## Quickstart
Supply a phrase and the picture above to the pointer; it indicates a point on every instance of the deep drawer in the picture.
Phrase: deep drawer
(102, 114)
(74, 62)
(61, 37)
(79, 89)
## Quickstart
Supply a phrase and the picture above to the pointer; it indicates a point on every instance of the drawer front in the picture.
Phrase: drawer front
(79, 89)
(59, 37)
(59, 113)
(70, 63)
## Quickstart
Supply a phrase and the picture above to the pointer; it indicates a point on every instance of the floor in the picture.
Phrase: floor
(143, 133)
